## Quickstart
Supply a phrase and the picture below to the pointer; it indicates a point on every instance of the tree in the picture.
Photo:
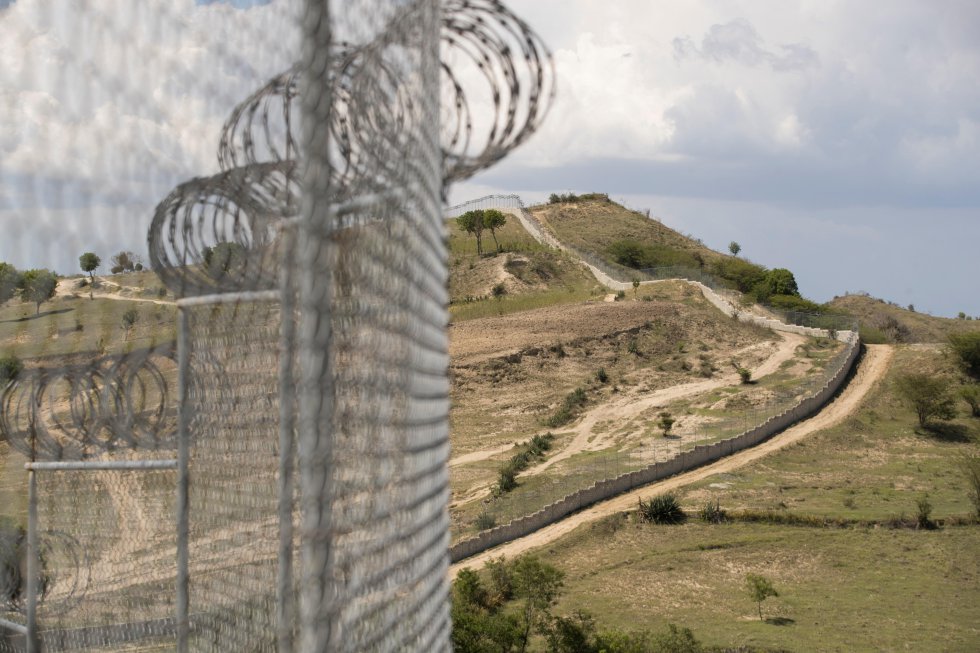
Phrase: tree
(760, 588)
(89, 261)
(493, 220)
(928, 396)
(538, 584)
(778, 281)
(38, 286)
(9, 281)
(472, 223)
(966, 348)
(734, 248)
(666, 422)
(636, 286)
(125, 261)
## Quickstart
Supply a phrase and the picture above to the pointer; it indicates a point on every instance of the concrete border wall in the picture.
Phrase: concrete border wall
(701, 455)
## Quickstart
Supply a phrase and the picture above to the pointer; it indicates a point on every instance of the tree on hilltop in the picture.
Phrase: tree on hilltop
(472, 223)
(734, 248)
(89, 261)
(38, 286)
(493, 220)
(125, 261)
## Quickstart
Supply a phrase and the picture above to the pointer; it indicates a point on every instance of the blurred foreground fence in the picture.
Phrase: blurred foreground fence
(276, 480)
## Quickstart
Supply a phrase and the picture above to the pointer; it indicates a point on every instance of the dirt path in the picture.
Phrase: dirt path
(630, 406)
(627, 407)
(871, 370)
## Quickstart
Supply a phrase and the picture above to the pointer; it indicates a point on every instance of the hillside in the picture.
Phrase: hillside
(522, 275)
(831, 520)
(885, 322)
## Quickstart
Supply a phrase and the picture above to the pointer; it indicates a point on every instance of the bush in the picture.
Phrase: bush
(712, 513)
(499, 290)
(568, 408)
(485, 521)
(928, 396)
(971, 395)
(924, 514)
(633, 254)
(666, 422)
(601, 375)
(10, 369)
(633, 347)
(662, 509)
(966, 349)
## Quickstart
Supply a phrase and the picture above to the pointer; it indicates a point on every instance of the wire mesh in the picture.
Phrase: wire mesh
(305, 265)
(107, 560)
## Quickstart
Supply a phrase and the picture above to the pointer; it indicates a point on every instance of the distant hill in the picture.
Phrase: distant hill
(886, 322)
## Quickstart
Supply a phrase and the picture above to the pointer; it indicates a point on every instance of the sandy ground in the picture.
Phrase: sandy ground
(66, 287)
(630, 405)
(871, 370)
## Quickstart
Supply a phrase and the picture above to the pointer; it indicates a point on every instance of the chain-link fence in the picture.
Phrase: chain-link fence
(247, 451)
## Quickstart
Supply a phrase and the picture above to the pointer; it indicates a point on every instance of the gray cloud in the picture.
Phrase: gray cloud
(738, 41)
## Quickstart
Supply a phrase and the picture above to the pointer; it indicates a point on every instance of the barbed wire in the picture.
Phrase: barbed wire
(73, 412)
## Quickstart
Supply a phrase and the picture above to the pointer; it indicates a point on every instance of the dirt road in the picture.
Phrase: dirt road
(870, 371)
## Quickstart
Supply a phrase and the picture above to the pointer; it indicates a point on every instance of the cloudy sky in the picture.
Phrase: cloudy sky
(839, 139)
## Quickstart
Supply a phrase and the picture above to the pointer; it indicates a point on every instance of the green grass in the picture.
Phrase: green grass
(840, 590)
(851, 588)
(67, 325)
(873, 466)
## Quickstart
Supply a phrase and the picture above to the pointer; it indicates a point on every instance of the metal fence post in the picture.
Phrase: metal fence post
(183, 505)
(287, 421)
(33, 564)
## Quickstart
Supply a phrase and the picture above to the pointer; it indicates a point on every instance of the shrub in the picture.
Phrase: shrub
(971, 395)
(601, 375)
(662, 509)
(712, 513)
(569, 406)
(633, 347)
(928, 396)
(924, 513)
(666, 422)
(485, 521)
(10, 368)
(966, 349)
(760, 588)
(130, 318)
(621, 294)
(506, 480)
(499, 290)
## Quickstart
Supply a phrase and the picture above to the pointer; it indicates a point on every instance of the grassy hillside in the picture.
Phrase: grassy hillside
(69, 325)
(870, 581)
(885, 322)
(594, 225)
(522, 276)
